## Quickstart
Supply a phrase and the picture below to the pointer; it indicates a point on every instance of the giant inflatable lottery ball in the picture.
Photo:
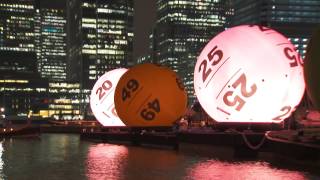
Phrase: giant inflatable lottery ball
(249, 73)
(150, 95)
(312, 69)
(102, 98)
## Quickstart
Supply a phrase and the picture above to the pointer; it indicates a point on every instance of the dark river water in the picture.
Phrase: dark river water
(65, 156)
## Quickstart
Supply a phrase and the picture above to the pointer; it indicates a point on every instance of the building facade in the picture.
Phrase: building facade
(74, 40)
(68, 44)
(296, 19)
(23, 95)
(17, 35)
(107, 34)
(65, 101)
(58, 47)
(182, 29)
(51, 43)
(22, 90)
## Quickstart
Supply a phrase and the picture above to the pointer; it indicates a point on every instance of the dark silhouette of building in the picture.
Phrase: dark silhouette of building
(74, 40)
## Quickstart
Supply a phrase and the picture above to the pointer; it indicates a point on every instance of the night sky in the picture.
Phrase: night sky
(144, 19)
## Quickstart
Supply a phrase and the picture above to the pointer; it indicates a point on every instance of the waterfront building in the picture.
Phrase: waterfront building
(22, 91)
(23, 95)
(65, 101)
(182, 29)
(71, 45)
(294, 18)
(58, 47)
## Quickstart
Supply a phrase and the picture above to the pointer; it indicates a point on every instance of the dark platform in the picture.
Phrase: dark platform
(22, 131)
(244, 143)
(292, 147)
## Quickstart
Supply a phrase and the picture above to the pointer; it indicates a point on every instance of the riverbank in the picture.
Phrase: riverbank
(66, 156)
(245, 143)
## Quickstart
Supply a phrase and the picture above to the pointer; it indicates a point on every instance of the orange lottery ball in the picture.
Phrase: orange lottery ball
(150, 95)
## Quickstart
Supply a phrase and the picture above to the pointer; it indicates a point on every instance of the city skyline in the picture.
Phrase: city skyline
(159, 89)
(72, 43)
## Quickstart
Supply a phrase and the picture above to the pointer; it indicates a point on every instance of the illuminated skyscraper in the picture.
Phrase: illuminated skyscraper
(182, 30)
(107, 34)
(22, 91)
(51, 43)
(58, 47)
(294, 18)
(17, 35)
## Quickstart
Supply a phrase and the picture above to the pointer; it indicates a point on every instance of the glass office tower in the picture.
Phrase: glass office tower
(51, 43)
(107, 34)
(22, 91)
(182, 29)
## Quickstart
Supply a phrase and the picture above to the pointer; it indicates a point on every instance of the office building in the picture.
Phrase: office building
(17, 35)
(65, 100)
(51, 43)
(182, 29)
(107, 33)
(22, 91)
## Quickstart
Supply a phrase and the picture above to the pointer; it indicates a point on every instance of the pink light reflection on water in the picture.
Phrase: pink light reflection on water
(105, 161)
(213, 169)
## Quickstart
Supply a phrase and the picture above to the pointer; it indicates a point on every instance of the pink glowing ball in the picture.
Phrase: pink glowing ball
(102, 98)
(249, 73)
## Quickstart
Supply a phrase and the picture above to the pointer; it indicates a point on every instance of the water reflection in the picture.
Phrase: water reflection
(106, 161)
(54, 156)
(65, 156)
(149, 163)
(213, 169)
(1, 161)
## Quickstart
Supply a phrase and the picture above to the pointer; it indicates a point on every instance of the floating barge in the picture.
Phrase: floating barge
(243, 143)
(294, 144)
